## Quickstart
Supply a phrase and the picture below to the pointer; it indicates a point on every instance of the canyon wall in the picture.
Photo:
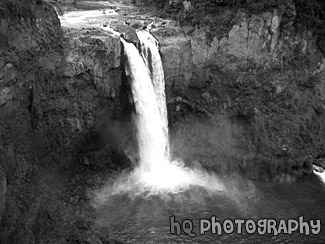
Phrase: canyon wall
(60, 93)
(244, 88)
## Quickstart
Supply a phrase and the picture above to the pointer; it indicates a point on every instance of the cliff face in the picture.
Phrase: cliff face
(56, 90)
(26, 37)
(255, 85)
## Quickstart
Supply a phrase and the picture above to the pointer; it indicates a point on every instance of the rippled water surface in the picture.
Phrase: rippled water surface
(146, 219)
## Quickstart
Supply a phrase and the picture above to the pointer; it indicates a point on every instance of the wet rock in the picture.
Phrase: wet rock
(318, 169)
(320, 163)
(128, 33)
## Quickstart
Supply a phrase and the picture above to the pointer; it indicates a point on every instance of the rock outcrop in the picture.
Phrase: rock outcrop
(177, 57)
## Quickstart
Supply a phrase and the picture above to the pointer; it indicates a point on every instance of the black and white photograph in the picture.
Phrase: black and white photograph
(162, 121)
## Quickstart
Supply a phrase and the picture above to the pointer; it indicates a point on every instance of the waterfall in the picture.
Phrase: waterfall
(151, 56)
(156, 172)
(151, 119)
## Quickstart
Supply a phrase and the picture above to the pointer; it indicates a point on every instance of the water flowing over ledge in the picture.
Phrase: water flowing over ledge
(156, 172)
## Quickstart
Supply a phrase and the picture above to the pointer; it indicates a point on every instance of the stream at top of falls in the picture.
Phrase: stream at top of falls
(137, 207)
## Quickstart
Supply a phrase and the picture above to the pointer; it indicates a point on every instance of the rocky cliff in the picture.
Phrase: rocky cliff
(57, 89)
(253, 79)
(29, 33)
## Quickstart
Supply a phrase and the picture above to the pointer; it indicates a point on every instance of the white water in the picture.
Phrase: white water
(321, 176)
(151, 57)
(79, 19)
(156, 172)
(152, 140)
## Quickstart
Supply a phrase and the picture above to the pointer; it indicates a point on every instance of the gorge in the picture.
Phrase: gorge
(245, 100)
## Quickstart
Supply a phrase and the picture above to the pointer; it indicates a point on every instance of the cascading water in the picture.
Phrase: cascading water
(151, 56)
(150, 103)
(151, 137)
(156, 172)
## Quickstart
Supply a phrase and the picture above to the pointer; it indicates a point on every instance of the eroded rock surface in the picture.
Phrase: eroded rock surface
(177, 57)
(261, 78)
(56, 90)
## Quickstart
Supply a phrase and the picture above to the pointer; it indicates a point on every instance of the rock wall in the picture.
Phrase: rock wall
(249, 96)
(25, 37)
(61, 93)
